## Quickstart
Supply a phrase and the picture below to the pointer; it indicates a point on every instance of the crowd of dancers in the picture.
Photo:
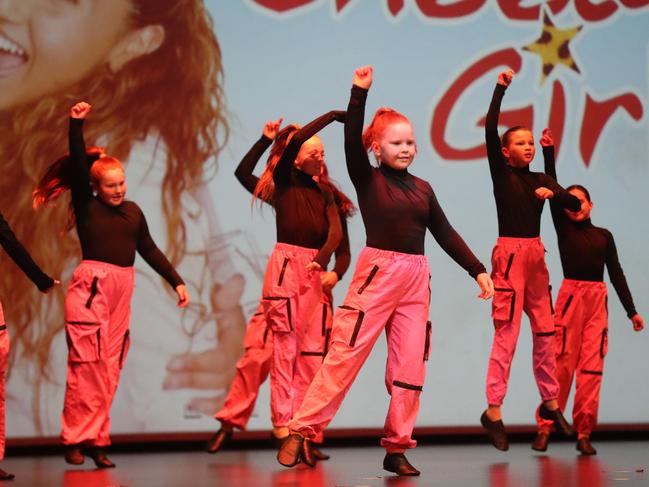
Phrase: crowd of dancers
(311, 353)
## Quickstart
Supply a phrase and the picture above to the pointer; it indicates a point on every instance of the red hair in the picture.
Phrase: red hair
(345, 205)
(383, 117)
(101, 165)
(265, 187)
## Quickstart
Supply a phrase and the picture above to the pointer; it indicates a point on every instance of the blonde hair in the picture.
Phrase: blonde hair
(127, 106)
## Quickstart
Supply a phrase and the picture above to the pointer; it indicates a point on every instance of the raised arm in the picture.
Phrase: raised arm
(80, 172)
(244, 171)
(282, 172)
(150, 252)
(559, 218)
(497, 163)
(358, 163)
(21, 257)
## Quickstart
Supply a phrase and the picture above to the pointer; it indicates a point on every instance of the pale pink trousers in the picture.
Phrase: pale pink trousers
(522, 283)
(97, 312)
(389, 291)
(581, 343)
(294, 304)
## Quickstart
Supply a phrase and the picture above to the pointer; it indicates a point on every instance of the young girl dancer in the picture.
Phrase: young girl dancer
(97, 308)
(581, 311)
(390, 287)
(519, 273)
(44, 283)
(254, 365)
(308, 231)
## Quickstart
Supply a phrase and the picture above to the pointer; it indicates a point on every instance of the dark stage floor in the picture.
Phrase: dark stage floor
(618, 463)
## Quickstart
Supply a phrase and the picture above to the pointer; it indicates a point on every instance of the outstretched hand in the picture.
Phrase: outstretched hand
(80, 110)
(363, 77)
(486, 285)
(183, 295)
(638, 322)
(271, 128)
(547, 138)
(505, 77)
(544, 193)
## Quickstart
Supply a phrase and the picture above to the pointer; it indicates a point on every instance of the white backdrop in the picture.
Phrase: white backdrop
(297, 62)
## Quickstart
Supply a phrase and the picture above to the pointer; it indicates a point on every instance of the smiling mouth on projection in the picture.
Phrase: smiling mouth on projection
(12, 56)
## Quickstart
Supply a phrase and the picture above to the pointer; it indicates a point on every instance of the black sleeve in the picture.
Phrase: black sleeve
(358, 163)
(247, 165)
(561, 198)
(147, 248)
(617, 277)
(282, 172)
(80, 172)
(334, 234)
(450, 240)
(559, 218)
(497, 165)
(342, 253)
(21, 257)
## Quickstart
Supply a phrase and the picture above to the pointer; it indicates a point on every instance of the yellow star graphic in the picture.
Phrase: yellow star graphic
(552, 46)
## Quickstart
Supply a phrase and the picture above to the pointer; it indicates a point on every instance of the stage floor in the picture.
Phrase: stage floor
(618, 463)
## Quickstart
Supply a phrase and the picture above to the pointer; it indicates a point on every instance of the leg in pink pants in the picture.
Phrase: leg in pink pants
(252, 370)
(389, 290)
(97, 312)
(313, 343)
(581, 322)
(522, 284)
(291, 294)
(4, 362)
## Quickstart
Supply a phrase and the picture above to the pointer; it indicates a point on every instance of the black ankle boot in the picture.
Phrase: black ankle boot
(220, 438)
(99, 456)
(496, 432)
(74, 455)
(399, 464)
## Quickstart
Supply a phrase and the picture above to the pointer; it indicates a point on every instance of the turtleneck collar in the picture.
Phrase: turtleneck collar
(395, 173)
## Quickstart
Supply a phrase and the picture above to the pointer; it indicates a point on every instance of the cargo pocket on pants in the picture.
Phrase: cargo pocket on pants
(503, 304)
(603, 347)
(360, 315)
(278, 313)
(84, 341)
(560, 340)
(429, 331)
(126, 345)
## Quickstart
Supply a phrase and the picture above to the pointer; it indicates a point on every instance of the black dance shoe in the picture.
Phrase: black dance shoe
(584, 446)
(74, 455)
(220, 438)
(496, 432)
(541, 441)
(308, 457)
(99, 456)
(291, 450)
(6, 475)
(399, 464)
(560, 423)
(318, 454)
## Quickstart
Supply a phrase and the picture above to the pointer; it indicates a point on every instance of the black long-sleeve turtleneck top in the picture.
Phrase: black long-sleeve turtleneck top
(396, 206)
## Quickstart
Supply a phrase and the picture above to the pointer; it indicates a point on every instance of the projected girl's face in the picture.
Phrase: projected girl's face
(47, 45)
